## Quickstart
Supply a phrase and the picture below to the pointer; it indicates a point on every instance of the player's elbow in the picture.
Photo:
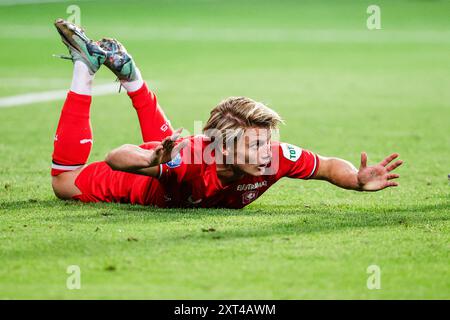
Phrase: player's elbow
(109, 159)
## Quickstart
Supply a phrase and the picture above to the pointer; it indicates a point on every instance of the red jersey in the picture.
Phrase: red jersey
(190, 181)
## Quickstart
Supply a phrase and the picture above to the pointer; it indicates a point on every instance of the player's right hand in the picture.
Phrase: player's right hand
(167, 149)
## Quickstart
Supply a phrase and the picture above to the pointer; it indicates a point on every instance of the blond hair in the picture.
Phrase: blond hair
(235, 114)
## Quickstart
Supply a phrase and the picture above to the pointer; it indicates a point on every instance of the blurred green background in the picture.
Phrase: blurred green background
(341, 88)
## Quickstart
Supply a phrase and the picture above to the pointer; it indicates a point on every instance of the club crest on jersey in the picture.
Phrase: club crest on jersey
(249, 196)
(291, 152)
(175, 162)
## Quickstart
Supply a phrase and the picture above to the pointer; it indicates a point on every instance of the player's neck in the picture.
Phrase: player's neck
(228, 174)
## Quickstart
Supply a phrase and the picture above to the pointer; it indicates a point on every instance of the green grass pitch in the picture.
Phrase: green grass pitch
(341, 88)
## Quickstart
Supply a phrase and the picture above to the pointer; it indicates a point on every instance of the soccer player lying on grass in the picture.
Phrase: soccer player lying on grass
(231, 164)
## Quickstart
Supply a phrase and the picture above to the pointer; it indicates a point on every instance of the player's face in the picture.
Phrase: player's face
(253, 151)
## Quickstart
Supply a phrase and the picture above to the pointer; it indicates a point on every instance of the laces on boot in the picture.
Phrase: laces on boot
(120, 83)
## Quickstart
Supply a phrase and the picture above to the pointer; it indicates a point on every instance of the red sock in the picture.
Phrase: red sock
(154, 125)
(73, 139)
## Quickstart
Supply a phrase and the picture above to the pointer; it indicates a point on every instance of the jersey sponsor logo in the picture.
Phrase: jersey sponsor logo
(251, 186)
(291, 152)
(175, 162)
(249, 196)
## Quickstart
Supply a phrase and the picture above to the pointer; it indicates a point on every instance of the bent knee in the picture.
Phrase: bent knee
(64, 187)
(58, 189)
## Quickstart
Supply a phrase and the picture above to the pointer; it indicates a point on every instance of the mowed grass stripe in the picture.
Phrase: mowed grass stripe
(215, 34)
(302, 239)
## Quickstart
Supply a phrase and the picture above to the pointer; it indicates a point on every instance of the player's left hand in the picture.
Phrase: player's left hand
(379, 176)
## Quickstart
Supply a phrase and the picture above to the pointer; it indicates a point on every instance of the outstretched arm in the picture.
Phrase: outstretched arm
(134, 159)
(368, 178)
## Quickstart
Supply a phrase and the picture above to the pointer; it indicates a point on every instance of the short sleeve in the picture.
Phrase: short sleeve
(295, 162)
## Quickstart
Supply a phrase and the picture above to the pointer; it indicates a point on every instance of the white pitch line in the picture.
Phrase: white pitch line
(36, 97)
